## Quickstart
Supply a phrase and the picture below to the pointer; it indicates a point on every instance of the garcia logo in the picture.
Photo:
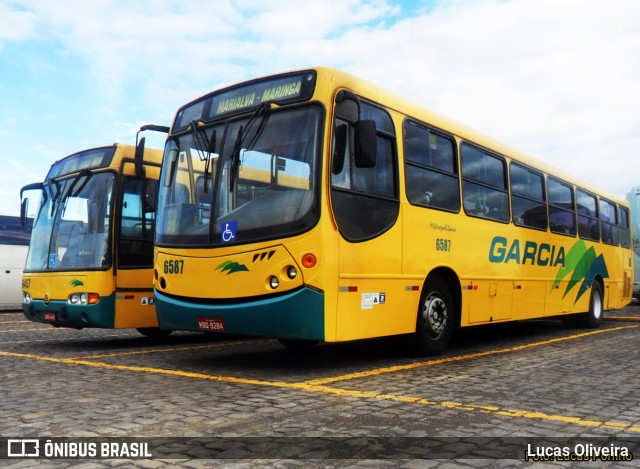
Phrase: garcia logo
(583, 264)
(76, 283)
(544, 254)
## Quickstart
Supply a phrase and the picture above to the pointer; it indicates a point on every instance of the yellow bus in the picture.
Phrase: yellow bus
(90, 257)
(314, 206)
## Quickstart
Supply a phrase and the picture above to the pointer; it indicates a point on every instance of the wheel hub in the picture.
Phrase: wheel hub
(434, 316)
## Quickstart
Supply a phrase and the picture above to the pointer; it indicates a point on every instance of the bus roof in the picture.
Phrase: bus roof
(110, 156)
(368, 90)
(332, 78)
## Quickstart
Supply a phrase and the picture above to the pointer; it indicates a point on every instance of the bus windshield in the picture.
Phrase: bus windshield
(241, 180)
(71, 229)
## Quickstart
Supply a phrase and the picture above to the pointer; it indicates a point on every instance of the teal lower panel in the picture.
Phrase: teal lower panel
(296, 315)
(100, 315)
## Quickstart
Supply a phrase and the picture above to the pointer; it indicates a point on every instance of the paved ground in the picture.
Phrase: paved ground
(245, 402)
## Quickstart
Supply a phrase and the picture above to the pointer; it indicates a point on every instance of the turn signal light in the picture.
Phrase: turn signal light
(309, 260)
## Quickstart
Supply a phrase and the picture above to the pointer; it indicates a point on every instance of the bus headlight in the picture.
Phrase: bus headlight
(26, 298)
(83, 298)
(292, 272)
(75, 298)
(274, 283)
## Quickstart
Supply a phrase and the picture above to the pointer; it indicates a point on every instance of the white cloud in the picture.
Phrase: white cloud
(554, 78)
(16, 23)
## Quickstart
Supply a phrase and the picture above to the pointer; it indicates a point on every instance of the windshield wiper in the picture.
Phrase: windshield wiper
(242, 133)
(73, 191)
(48, 189)
(56, 184)
(205, 147)
(85, 172)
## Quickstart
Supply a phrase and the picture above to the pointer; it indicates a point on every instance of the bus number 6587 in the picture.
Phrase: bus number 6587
(443, 245)
(173, 266)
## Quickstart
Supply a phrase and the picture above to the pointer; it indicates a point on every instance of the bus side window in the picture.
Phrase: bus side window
(562, 207)
(588, 220)
(430, 168)
(624, 226)
(528, 197)
(609, 222)
(484, 184)
(364, 196)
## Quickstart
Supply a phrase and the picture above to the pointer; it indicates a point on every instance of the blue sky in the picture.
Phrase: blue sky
(555, 78)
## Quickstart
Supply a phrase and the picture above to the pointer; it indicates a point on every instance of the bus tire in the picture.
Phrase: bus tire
(153, 332)
(593, 318)
(435, 318)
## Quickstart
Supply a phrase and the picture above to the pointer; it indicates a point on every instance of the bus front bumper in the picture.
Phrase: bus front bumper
(295, 315)
(63, 314)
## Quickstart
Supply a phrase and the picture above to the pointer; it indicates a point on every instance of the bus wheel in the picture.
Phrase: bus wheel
(593, 318)
(435, 321)
(299, 344)
(153, 332)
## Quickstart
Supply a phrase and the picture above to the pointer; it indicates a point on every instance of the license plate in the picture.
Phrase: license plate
(48, 316)
(211, 324)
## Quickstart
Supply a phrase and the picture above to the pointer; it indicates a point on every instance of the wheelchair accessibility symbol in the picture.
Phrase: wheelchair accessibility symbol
(229, 231)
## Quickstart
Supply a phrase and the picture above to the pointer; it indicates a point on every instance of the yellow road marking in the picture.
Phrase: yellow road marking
(623, 319)
(15, 322)
(186, 374)
(619, 426)
(44, 328)
(439, 361)
(164, 350)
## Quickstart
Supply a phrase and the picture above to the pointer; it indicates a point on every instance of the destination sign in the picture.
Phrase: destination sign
(281, 89)
(89, 159)
(249, 98)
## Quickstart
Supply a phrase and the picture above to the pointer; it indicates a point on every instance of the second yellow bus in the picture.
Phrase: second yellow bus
(91, 251)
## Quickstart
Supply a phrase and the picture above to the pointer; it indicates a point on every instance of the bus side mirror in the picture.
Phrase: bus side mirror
(24, 205)
(138, 159)
(365, 144)
(339, 148)
(139, 168)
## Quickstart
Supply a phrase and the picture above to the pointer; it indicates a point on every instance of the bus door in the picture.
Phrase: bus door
(134, 278)
(364, 199)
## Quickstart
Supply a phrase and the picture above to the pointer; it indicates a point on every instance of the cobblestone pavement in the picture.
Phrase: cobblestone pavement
(363, 404)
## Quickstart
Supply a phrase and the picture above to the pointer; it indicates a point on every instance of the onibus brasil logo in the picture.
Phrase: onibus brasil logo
(581, 263)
